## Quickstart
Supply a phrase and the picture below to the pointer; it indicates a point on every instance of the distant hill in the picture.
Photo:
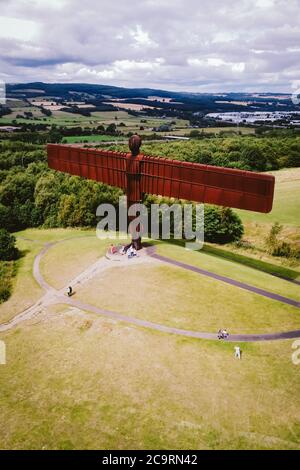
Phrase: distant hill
(161, 99)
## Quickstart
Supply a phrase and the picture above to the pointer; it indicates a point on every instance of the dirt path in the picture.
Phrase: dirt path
(53, 296)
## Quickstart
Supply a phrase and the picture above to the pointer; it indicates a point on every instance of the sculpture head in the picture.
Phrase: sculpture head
(134, 144)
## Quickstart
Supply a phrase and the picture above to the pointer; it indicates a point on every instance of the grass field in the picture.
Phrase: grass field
(229, 129)
(77, 380)
(132, 123)
(91, 138)
(62, 118)
(25, 289)
(77, 254)
(192, 301)
(286, 211)
(286, 208)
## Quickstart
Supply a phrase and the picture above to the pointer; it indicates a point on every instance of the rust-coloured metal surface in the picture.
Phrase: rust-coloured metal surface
(138, 174)
(210, 184)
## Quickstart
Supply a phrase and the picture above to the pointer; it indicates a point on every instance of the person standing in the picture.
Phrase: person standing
(237, 352)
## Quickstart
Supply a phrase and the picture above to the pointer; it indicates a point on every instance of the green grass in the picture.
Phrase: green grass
(108, 386)
(273, 269)
(77, 255)
(286, 208)
(40, 235)
(91, 138)
(25, 290)
(76, 380)
(223, 266)
(191, 301)
(233, 129)
(62, 118)
(226, 252)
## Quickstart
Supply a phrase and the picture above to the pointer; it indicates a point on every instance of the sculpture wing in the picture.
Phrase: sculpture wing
(209, 184)
(104, 166)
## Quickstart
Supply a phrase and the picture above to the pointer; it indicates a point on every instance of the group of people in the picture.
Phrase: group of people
(131, 252)
(123, 250)
(223, 334)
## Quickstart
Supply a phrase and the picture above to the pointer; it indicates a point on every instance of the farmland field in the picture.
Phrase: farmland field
(62, 118)
(133, 123)
(91, 138)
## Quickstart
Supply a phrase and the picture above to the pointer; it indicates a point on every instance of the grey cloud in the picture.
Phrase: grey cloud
(245, 45)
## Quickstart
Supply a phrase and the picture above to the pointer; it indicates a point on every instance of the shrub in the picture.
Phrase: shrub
(222, 225)
(8, 250)
(271, 241)
(286, 250)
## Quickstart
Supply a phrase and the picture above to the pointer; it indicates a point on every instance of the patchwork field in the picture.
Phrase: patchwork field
(62, 118)
(135, 124)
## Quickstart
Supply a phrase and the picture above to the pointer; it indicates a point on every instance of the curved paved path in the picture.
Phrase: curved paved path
(53, 296)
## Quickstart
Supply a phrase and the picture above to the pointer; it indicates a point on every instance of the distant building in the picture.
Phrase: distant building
(162, 128)
(175, 137)
(253, 117)
(8, 128)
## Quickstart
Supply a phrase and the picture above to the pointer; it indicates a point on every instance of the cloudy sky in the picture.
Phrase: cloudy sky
(191, 45)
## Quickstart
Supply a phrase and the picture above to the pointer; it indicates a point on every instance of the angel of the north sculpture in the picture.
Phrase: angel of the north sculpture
(138, 174)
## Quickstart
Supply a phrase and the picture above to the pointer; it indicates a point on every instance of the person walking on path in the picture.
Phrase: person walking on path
(237, 352)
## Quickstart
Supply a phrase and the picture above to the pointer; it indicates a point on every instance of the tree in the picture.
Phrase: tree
(254, 157)
(45, 111)
(8, 250)
(5, 217)
(111, 129)
(17, 187)
(222, 225)
(47, 196)
(55, 135)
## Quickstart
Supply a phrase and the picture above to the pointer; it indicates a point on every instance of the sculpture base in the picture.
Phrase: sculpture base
(137, 244)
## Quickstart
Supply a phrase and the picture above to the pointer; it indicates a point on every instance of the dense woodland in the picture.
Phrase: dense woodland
(246, 153)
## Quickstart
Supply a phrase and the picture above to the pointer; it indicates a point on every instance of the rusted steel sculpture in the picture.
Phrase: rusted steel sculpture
(138, 174)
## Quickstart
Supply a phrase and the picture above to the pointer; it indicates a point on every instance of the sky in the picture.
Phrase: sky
(179, 45)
